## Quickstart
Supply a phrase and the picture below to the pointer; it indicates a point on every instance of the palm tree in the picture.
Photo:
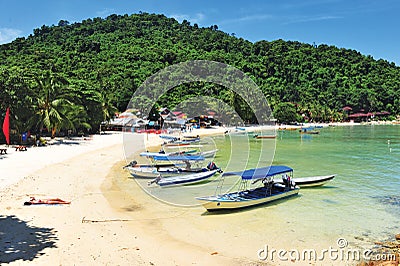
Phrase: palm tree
(105, 104)
(52, 103)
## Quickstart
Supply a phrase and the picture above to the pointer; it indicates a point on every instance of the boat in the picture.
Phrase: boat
(166, 170)
(151, 154)
(265, 136)
(312, 181)
(183, 179)
(181, 143)
(246, 196)
(207, 154)
(183, 157)
(308, 131)
(191, 137)
(168, 137)
(154, 172)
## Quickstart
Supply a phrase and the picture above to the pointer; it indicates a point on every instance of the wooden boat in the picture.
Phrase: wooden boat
(313, 181)
(265, 136)
(151, 154)
(246, 196)
(180, 180)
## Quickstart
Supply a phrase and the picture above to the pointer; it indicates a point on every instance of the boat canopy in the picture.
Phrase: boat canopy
(258, 173)
(178, 158)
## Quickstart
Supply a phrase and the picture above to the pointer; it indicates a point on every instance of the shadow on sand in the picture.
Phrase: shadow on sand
(20, 241)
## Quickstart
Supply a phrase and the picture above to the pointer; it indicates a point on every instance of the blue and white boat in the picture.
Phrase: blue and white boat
(184, 157)
(186, 152)
(247, 196)
(185, 179)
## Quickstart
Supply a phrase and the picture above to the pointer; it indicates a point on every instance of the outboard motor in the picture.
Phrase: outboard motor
(212, 166)
(131, 164)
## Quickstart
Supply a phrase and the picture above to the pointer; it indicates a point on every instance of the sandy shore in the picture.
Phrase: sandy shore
(111, 220)
(103, 225)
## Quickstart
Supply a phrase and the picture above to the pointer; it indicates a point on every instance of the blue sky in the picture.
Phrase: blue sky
(370, 27)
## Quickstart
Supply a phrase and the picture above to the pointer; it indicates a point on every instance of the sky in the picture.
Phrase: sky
(371, 27)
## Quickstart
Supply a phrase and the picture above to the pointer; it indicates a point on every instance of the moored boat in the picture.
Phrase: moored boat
(166, 170)
(313, 181)
(246, 196)
(181, 157)
(185, 179)
(309, 130)
(265, 136)
(151, 154)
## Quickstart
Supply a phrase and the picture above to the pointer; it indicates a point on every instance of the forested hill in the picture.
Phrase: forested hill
(104, 60)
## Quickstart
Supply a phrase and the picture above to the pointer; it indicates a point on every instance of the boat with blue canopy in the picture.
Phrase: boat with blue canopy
(187, 157)
(257, 186)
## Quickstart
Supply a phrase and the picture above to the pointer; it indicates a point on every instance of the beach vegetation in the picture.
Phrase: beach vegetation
(91, 68)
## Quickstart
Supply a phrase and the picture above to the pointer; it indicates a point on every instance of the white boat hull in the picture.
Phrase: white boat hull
(222, 202)
(313, 181)
(186, 179)
(151, 172)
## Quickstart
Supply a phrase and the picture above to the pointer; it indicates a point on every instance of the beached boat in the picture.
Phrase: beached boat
(207, 154)
(148, 171)
(181, 157)
(181, 143)
(166, 169)
(151, 170)
(264, 136)
(186, 179)
(312, 181)
(169, 138)
(151, 154)
(246, 196)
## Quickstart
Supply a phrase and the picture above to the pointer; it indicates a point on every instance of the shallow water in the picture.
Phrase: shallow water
(361, 204)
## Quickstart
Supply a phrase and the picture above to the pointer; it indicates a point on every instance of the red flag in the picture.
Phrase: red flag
(6, 126)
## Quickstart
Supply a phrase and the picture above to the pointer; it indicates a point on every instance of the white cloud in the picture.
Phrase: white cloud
(197, 18)
(8, 35)
(255, 17)
(105, 12)
(310, 19)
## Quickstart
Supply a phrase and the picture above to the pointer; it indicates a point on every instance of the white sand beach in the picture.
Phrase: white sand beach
(102, 225)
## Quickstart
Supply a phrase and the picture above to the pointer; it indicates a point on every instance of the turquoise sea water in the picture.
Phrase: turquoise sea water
(361, 204)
